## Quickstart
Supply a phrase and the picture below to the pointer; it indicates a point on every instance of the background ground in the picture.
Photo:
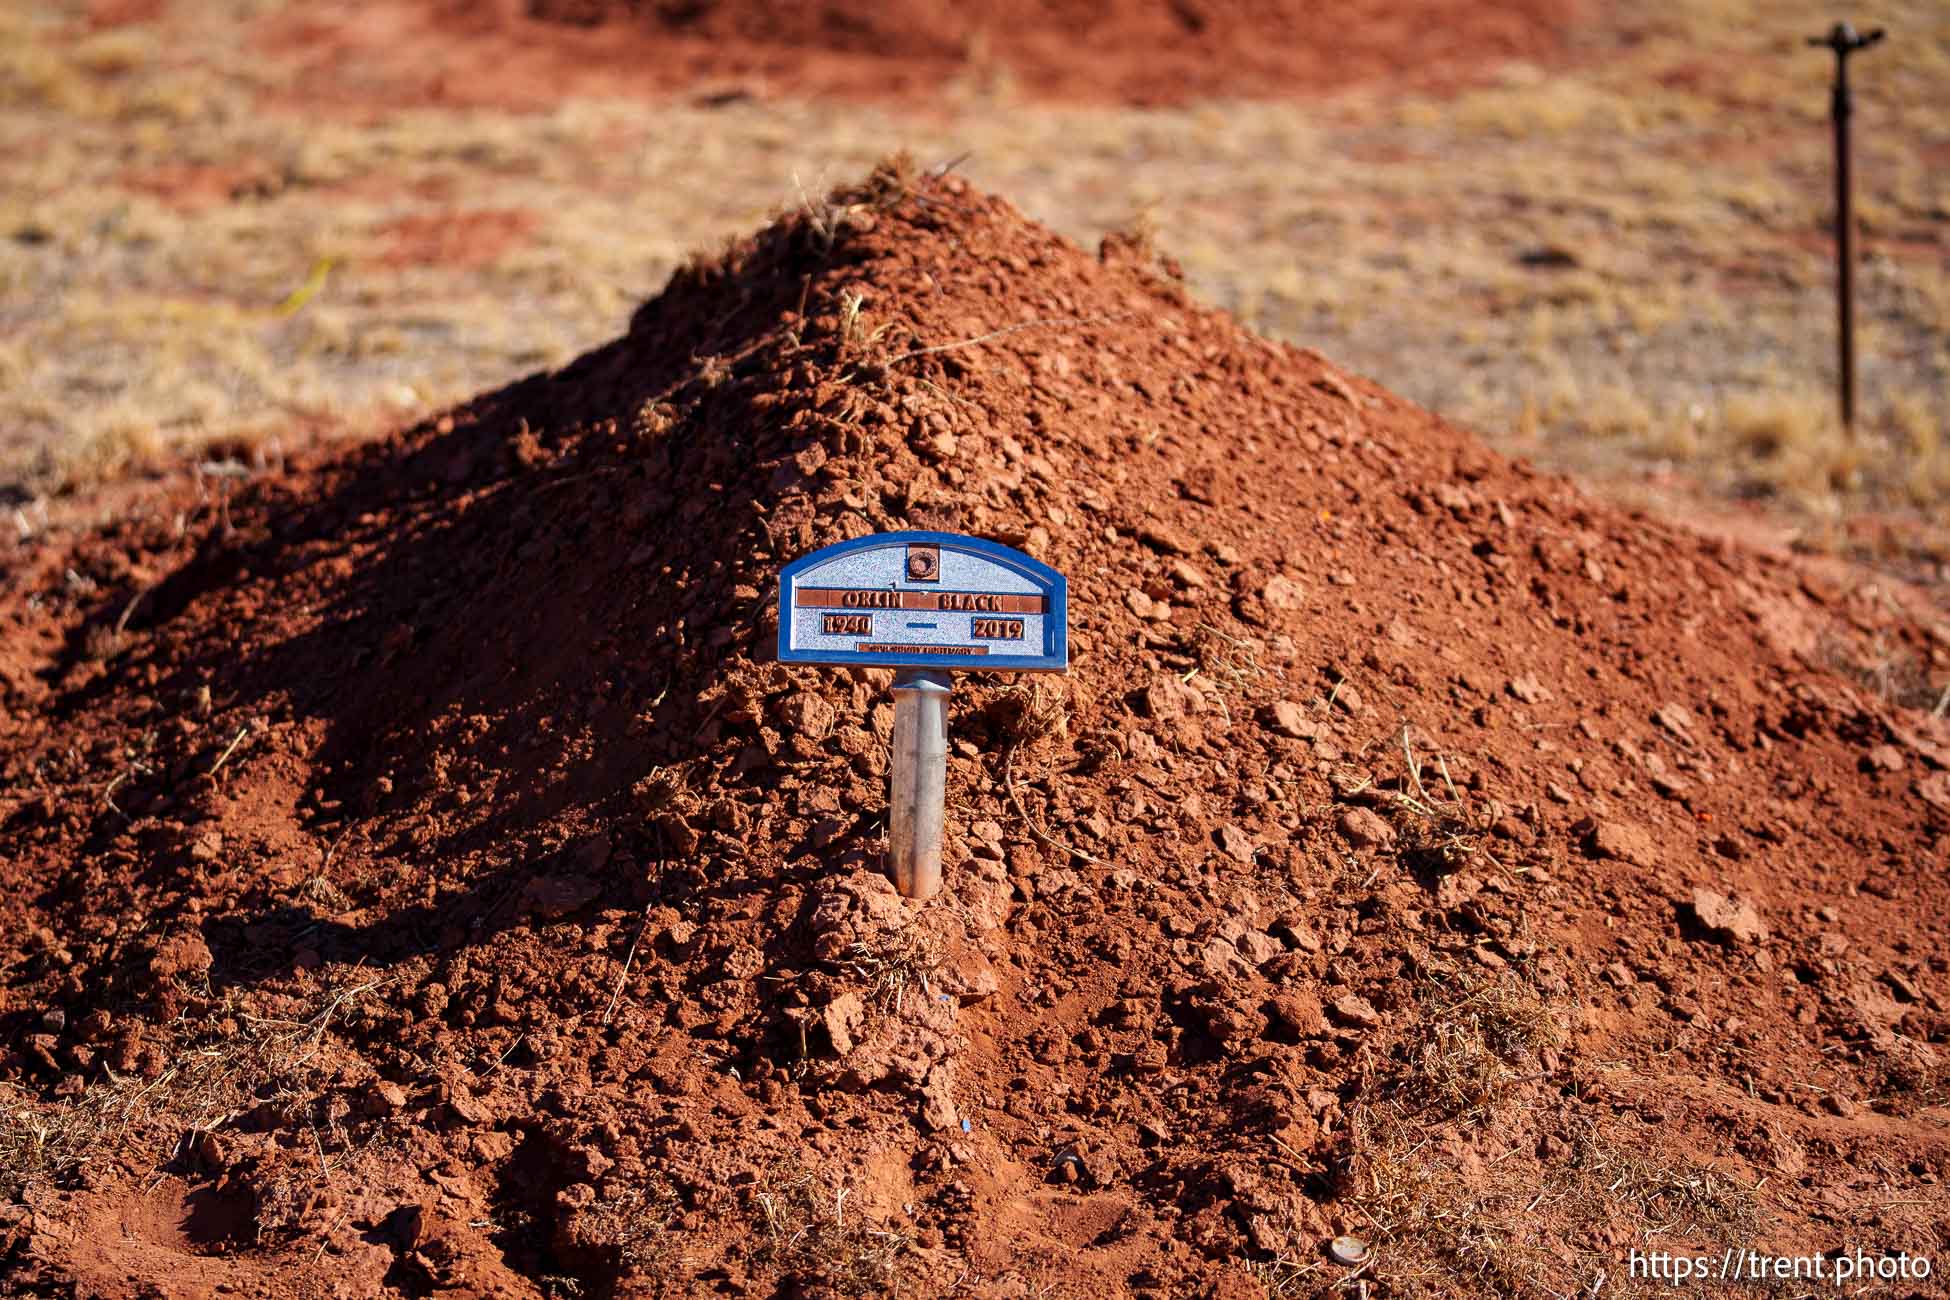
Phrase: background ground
(230, 220)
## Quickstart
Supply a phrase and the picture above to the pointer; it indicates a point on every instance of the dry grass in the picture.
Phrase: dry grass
(1444, 1170)
(641, 1224)
(1478, 1041)
(1619, 1165)
(803, 1227)
(1686, 324)
(1893, 675)
(897, 966)
(226, 1063)
(1440, 831)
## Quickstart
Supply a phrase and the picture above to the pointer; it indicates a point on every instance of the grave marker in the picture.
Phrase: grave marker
(923, 604)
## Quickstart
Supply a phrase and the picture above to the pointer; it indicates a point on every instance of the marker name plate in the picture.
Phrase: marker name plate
(924, 600)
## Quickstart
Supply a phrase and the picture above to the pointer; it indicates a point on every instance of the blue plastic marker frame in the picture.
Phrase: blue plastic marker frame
(924, 600)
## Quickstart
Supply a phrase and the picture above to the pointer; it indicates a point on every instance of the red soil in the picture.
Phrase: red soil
(1138, 51)
(437, 811)
(454, 239)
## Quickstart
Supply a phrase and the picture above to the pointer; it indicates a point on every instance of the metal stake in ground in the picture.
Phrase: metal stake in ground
(923, 604)
(917, 781)
(1842, 39)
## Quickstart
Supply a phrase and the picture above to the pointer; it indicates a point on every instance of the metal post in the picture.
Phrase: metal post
(1842, 39)
(918, 781)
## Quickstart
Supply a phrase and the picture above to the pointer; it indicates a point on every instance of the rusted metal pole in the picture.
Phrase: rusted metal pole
(1843, 39)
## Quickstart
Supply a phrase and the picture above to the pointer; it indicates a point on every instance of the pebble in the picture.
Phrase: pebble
(1626, 842)
(1885, 758)
(1357, 1011)
(1729, 918)
(1185, 575)
(385, 1098)
(1364, 828)
(1527, 689)
(1236, 843)
(1675, 718)
(1288, 719)
(1348, 1250)
(1164, 538)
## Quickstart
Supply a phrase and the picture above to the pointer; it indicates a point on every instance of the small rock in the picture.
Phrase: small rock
(1281, 593)
(1221, 960)
(1295, 930)
(1201, 483)
(384, 1098)
(1168, 700)
(1348, 699)
(554, 896)
(1348, 1250)
(968, 977)
(1258, 947)
(1884, 758)
(1527, 689)
(1235, 843)
(1625, 842)
(842, 1019)
(1301, 1013)
(1165, 539)
(1355, 1010)
(937, 1102)
(1905, 988)
(1186, 575)
(1737, 920)
(466, 1108)
(1365, 829)
(1286, 718)
(1557, 793)
(807, 714)
(1934, 790)
(1668, 786)
(1676, 719)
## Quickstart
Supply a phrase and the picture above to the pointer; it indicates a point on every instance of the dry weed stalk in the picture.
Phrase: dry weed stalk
(1445, 833)
(802, 1227)
(901, 960)
(205, 1085)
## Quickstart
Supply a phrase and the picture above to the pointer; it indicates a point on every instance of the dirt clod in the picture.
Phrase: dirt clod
(1365, 828)
(1624, 842)
(1734, 919)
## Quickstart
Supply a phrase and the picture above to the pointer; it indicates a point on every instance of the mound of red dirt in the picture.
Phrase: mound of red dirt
(418, 876)
(1130, 51)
